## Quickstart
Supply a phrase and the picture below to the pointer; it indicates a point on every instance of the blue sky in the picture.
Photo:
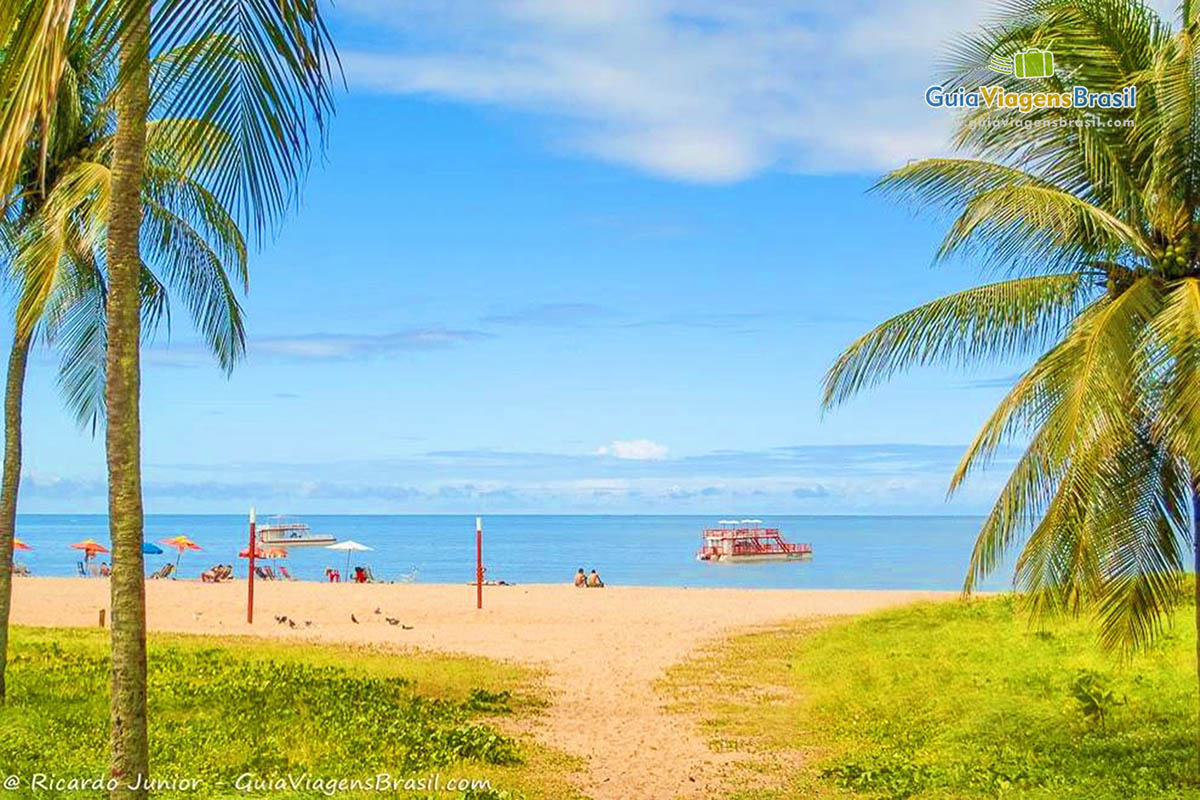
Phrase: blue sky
(576, 257)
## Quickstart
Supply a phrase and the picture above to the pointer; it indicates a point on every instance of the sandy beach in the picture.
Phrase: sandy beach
(601, 649)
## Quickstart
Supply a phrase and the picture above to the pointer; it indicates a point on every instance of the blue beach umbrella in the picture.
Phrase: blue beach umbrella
(151, 549)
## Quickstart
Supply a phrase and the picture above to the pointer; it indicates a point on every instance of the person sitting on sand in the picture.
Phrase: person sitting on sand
(217, 574)
(105, 569)
(594, 582)
(580, 579)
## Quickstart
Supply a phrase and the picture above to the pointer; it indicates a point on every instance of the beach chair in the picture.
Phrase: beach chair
(81, 568)
(162, 572)
(371, 576)
(22, 570)
(284, 572)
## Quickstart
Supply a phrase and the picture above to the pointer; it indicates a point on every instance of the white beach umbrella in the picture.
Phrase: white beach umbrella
(350, 546)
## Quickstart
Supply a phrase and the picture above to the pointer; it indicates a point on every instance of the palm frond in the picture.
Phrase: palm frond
(73, 215)
(34, 43)
(1005, 319)
(1075, 401)
(260, 71)
(1012, 219)
(1176, 332)
(1141, 501)
(1021, 503)
(199, 277)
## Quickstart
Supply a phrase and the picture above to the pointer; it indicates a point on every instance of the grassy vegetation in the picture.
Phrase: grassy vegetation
(955, 700)
(222, 708)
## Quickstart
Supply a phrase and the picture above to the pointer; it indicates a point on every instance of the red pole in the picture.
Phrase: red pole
(478, 562)
(250, 576)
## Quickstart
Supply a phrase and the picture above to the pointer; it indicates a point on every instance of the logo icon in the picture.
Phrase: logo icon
(1030, 63)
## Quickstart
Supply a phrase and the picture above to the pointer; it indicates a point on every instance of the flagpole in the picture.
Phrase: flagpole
(250, 576)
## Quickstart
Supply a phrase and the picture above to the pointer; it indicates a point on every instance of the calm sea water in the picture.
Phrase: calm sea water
(850, 552)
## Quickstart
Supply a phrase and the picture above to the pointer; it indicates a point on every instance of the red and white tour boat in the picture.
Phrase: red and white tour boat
(739, 541)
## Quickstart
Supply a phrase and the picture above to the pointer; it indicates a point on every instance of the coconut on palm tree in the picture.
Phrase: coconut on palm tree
(259, 73)
(1091, 218)
(54, 239)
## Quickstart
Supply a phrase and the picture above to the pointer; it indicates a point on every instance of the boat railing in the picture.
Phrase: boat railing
(749, 540)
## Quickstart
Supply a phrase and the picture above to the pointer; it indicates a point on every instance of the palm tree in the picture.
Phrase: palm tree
(1092, 216)
(55, 243)
(260, 72)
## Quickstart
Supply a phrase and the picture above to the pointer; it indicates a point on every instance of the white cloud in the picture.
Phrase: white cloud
(326, 346)
(691, 89)
(700, 90)
(635, 450)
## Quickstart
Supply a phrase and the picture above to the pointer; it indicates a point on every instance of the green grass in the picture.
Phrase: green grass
(954, 700)
(222, 708)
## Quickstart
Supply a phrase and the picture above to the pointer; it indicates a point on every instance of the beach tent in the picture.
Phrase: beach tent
(350, 546)
(19, 545)
(180, 543)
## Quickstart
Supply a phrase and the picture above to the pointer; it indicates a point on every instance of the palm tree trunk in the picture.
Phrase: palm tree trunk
(14, 389)
(130, 738)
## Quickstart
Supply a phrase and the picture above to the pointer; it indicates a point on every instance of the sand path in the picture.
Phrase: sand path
(602, 649)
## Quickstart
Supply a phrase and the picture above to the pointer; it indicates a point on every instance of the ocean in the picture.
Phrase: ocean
(850, 552)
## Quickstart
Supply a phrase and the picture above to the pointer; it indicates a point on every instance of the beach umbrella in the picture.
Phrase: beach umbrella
(19, 545)
(180, 543)
(350, 546)
(264, 552)
(151, 549)
(90, 547)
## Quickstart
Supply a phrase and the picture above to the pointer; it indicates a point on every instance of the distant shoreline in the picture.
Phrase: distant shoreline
(506, 514)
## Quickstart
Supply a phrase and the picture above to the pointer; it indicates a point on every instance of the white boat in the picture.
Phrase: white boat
(293, 534)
